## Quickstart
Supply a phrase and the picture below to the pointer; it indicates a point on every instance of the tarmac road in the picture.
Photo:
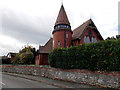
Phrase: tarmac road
(13, 81)
(9, 81)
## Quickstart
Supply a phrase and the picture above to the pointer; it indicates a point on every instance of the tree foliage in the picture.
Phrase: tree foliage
(25, 56)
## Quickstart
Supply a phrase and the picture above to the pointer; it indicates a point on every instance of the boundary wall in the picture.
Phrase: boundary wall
(97, 78)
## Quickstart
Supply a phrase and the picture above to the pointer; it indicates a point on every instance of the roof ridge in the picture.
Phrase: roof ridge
(47, 47)
(77, 32)
(82, 24)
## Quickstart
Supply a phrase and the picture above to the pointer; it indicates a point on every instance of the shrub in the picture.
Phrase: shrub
(25, 56)
(103, 55)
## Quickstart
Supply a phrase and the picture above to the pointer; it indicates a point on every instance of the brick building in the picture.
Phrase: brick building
(64, 37)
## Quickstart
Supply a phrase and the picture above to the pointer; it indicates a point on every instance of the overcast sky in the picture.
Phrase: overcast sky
(31, 22)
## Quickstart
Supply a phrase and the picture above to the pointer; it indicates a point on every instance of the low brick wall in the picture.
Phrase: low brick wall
(103, 79)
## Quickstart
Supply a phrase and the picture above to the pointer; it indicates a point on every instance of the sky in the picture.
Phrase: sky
(31, 22)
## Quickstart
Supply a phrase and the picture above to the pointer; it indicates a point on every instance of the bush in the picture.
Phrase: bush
(25, 56)
(103, 55)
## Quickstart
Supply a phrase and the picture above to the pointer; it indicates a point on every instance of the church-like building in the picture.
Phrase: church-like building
(64, 37)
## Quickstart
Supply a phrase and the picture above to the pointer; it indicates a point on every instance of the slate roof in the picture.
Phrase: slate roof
(62, 17)
(11, 54)
(77, 34)
(47, 48)
(79, 31)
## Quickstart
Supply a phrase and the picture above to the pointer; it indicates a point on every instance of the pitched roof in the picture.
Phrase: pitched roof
(79, 31)
(47, 48)
(62, 17)
(11, 54)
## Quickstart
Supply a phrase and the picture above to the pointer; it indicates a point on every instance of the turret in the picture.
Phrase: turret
(62, 34)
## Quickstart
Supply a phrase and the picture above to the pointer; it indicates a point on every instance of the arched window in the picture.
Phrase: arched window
(86, 39)
(90, 34)
(94, 39)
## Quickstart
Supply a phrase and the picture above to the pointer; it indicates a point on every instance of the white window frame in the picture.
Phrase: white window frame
(67, 35)
(58, 44)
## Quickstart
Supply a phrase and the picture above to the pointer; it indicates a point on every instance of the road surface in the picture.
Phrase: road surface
(17, 82)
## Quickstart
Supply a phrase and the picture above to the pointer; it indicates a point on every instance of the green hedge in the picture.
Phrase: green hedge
(103, 56)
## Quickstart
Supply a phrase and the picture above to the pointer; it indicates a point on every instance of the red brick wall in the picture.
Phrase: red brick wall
(37, 61)
(61, 36)
(41, 59)
(78, 42)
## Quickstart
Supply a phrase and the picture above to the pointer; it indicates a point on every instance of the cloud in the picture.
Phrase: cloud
(32, 21)
(17, 30)
(9, 44)
(24, 28)
(104, 14)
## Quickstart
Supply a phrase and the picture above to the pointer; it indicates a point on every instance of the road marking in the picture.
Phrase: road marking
(2, 83)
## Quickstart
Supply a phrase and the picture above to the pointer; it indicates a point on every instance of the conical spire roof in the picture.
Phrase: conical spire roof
(62, 17)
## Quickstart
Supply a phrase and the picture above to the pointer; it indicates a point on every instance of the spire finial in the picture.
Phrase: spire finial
(61, 2)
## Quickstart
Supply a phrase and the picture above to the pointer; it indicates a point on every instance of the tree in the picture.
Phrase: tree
(25, 56)
(16, 59)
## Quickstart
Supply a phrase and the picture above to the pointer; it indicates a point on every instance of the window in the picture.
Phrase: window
(90, 34)
(58, 44)
(58, 26)
(94, 39)
(62, 26)
(68, 27)
(66, 35)
(86, 39)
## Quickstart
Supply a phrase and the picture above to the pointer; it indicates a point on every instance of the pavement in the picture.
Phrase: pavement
(57, 83)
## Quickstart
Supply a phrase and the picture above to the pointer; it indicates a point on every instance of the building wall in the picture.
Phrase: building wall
(12, 58)
(41, 59)
(37, 60)
(60, 36)
(81, 41)
(69, 39)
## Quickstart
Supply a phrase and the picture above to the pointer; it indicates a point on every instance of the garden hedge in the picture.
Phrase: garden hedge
(103, 56)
